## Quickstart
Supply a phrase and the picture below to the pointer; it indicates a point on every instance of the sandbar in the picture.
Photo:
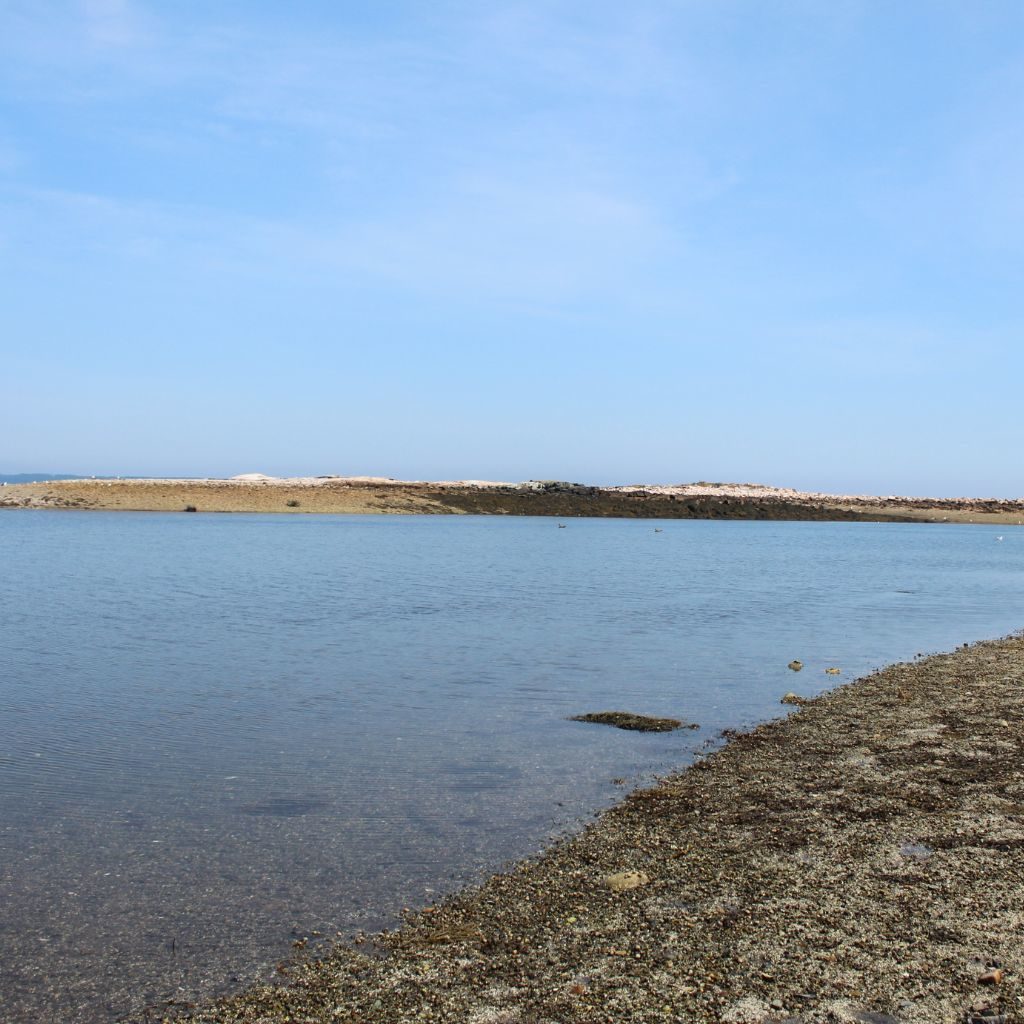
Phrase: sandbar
(256, 493)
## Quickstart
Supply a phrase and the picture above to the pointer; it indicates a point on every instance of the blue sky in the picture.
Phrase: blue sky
(703, 239)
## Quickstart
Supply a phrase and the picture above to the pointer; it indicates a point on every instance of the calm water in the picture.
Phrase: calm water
(220, 732)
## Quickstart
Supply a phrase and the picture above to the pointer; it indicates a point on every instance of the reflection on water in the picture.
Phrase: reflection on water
(220, 732)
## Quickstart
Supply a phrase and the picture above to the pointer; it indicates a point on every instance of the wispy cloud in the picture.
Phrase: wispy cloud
(114, 23)
(488, 240)
(514, 239)
(431, 173)
(12, 157)
(950, 183)
(893, 352)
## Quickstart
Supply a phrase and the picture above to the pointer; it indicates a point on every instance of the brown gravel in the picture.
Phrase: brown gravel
(860, 860)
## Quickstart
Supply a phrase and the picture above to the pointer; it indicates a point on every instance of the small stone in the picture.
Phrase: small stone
(993, 977)
(833, 671)
(916, 851)
(747, 1011)
(987, 1016)
(792, 698)
(496, 1015)
(621, 881)
(795, 665)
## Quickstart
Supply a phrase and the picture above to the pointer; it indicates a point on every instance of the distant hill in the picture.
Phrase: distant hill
(33, 478)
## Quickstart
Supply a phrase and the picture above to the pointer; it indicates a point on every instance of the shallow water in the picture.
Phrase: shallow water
(220, 733)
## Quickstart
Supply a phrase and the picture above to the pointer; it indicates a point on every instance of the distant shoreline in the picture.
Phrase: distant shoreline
(377, 495)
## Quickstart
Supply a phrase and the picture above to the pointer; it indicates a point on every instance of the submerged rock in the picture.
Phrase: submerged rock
(638, 723)
(795, 665)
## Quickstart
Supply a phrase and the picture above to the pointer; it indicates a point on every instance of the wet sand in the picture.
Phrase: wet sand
(358, 495)
(859, 860)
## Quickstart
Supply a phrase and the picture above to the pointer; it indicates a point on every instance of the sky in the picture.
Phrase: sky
(659, 241)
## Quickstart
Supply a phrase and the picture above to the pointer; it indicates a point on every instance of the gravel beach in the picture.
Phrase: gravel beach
(861, 860)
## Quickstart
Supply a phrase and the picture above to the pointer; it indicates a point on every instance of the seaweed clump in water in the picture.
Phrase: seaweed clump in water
(627, 720)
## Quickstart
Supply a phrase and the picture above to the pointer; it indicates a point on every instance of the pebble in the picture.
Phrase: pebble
(622, 881)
